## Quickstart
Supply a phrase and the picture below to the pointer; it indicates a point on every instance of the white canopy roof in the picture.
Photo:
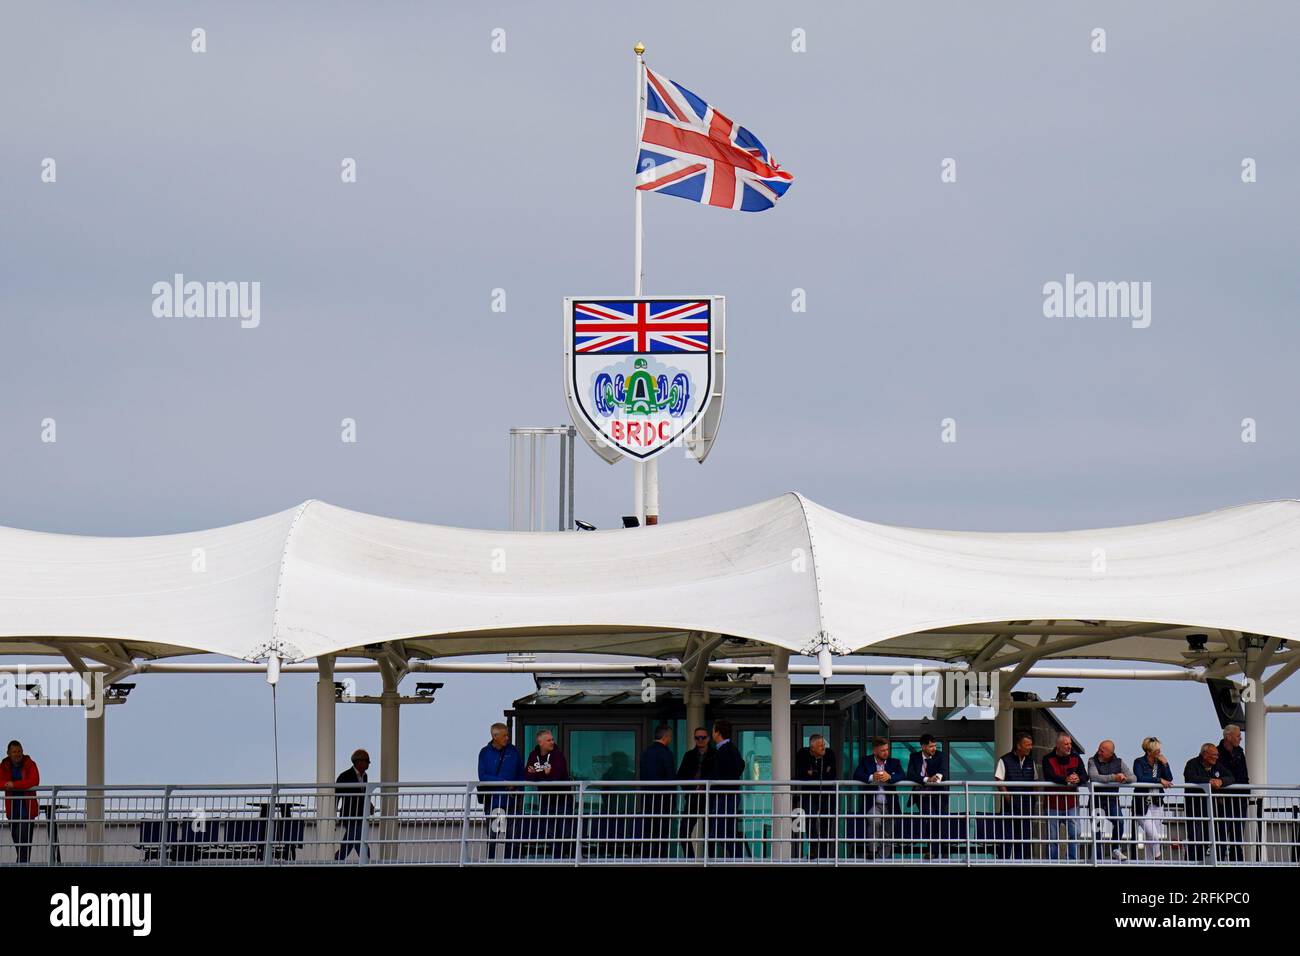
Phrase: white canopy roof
(320, 579)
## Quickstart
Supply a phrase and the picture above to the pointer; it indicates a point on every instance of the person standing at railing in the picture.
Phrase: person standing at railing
(1205, 771)
(1151, 775)
(1107, 772)
(882, 774)
(696, 765)
(350, 794)
(1018, 804)
(928, 769)
(20, 777)
(657, 766)
(499, 766)
(817, 769)
(555, 807)
(724, 801)
(1063, 767)
(1234, 805)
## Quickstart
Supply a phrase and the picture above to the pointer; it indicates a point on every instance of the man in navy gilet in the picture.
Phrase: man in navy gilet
(1017, 803)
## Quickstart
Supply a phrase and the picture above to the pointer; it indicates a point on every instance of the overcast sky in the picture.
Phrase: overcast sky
(479, 170)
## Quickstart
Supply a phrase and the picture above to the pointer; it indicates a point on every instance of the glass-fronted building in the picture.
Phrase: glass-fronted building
(602, 724)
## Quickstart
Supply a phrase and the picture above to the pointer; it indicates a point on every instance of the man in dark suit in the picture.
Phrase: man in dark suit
(815, 767)
(928, 769)
(724, 801)
(1207, 771)
(1234, 806)
(696, 765)
(657, 802)
(873, 829)
(350, 794)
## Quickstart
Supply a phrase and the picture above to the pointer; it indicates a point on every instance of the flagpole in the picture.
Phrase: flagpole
(645, 475)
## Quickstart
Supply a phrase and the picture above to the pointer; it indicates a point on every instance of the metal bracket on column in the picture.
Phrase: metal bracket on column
(695, 665)
(823, 641)
(281, 649)
(824, 647)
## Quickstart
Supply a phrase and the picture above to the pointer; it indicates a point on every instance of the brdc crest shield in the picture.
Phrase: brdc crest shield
(645, 373)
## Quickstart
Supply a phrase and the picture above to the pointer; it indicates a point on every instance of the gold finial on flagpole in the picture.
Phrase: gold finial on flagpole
(639, 49)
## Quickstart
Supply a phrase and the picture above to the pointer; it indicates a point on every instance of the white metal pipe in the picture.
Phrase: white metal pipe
(1097, 673)
(638, 492)
(588, 667)
(652, 491)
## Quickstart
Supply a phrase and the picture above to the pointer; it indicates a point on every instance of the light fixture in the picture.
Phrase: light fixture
(427, 689)
(631, 521)
(1196, 642)
(118, 691)
(583, 525)
(1063, 693)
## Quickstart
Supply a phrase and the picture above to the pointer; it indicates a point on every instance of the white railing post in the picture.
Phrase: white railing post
(708, 820)
(164, 826)
(363, 853)
(1092, 822)
(966, 788)
(270, 826)
(52, 827)
(1210, 824)
(577, 836)
(464, 823)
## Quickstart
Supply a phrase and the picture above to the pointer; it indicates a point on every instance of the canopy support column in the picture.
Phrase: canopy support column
(326, 741)
(1003, 725)
(1259, 653)
(781, 748)
(94, 778)
(390, 725)
(695, 668)
(695, 703)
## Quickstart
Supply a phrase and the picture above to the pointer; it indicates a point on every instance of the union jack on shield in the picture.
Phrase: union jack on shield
(640, 325)
(689, 149)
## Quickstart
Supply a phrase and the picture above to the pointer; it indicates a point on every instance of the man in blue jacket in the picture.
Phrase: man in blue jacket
(928, 769)
(500, 765)
(881, 773)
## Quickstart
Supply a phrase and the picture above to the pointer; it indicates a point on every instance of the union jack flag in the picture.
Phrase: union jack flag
(640, 326)
(691, 150)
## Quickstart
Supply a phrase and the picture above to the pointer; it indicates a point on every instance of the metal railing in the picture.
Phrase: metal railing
(708, 823)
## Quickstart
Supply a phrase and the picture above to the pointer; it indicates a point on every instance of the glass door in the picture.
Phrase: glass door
(756, 807)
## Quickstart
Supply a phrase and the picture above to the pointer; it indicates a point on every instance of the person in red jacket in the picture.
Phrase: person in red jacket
(20, 778)
(1065, 768)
